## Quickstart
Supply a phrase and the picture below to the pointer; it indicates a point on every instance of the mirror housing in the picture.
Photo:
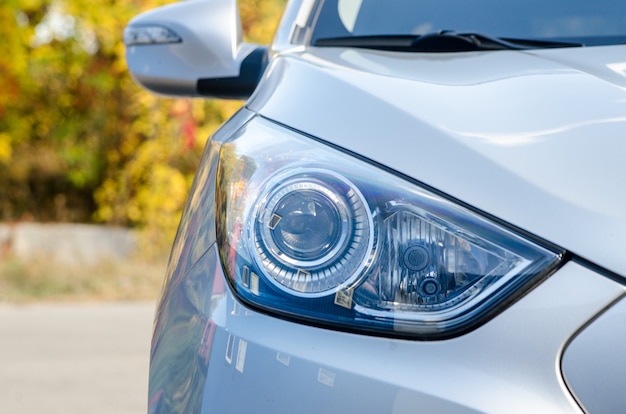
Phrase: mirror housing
(194, 48)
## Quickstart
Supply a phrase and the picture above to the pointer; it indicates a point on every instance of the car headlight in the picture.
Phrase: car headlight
(313, 234)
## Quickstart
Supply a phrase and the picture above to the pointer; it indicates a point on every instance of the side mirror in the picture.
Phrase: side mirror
(194, 48)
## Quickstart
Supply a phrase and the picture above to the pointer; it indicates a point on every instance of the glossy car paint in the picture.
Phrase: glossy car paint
(532, 138)
(593, 364)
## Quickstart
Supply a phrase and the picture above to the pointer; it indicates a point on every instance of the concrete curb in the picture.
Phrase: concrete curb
(71, 244)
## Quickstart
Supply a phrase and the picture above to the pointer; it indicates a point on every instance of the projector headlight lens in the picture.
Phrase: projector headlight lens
(311, 231)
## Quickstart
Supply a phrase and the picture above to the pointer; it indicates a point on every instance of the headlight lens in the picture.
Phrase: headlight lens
(311, 233)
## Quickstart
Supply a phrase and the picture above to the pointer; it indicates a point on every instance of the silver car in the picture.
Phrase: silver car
(420, 209)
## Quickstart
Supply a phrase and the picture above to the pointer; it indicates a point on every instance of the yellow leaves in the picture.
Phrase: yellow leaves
(150, 190)
(260, 18)
(13, 58)
(5, 148)
(119, 65)
(29, 4)
(162, 196)
(105, 198)
(71, 114)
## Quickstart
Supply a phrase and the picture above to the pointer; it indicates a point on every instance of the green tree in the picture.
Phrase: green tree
(79, 141)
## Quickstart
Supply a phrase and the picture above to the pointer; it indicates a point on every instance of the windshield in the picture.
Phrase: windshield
(588, 22)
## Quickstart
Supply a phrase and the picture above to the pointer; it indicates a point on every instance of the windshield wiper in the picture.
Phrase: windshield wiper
(439, 42)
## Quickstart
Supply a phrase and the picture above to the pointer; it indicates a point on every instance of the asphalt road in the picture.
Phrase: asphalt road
(75, 358)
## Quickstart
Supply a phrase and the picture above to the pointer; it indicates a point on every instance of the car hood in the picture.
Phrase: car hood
(534, 138)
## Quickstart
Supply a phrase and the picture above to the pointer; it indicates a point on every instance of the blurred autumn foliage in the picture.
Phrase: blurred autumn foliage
(79, 140)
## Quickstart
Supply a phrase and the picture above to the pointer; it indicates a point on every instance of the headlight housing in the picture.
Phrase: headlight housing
(310, 233)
